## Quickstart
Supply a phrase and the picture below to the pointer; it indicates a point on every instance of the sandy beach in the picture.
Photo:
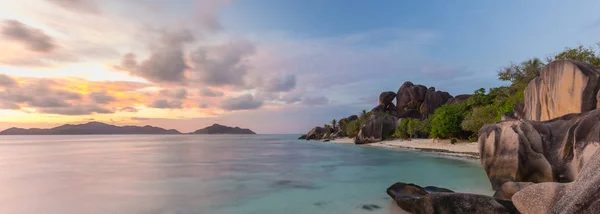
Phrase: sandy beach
(442, 147)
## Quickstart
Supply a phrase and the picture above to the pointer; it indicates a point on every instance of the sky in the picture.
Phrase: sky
(269, 65)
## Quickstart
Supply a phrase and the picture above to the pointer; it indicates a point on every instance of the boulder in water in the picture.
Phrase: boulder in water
(378, 127)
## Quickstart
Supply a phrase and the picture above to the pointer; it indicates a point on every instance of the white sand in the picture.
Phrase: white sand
(443, 147)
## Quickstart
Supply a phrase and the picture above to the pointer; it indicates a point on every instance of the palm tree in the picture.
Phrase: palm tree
(333, 122)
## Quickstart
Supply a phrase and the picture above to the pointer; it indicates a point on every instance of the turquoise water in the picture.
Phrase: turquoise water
(212, 174)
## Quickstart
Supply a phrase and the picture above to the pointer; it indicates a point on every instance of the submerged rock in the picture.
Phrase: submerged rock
(316, 133)
(563, 87)
(302, 137)
(533, 151)
(416, 199)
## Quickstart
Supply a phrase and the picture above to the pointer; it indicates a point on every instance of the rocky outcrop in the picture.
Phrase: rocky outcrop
(385, 103)
(412, 99)
(377, 128)
(580, 196)
(539, 151)
(563, 87)
(387, 97)
(302, 137)
(459, 98)
(410, 96)
(434, 100)
(415, 199)
(316, 133)
(508, 189)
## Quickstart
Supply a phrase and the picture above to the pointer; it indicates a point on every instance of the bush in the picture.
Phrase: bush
(453, 141)
(412, 127)
(479, 117)
(473, 138)
(352, 128)
(508, 104)
(447, 120)
(402, 129)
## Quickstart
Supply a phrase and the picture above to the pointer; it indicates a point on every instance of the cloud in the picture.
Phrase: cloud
(179, 94)
(86, 6)
(128, 109)
(128, 62)
(166, 63)
(101, 97)
(8, 105)
(315, 100)
(207, 92)
(166, 104)
(222, 65)
(35, 39)
(280, 84)
(76, 110)
(204, 105)
(7, 81)
(140, 118)
(242, 102)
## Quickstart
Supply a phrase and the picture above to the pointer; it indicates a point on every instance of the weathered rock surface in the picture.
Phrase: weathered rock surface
(580, 196)
(302, 137)
(410, 96)
(508, 189)
(539, 151)
(316, 133)
(434, 100)
(418, 98)
(387, 97)
(377, 128)
(459, 98)
(563, 87)
(415, 199)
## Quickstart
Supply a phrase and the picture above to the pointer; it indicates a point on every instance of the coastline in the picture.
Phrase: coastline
(440, 147)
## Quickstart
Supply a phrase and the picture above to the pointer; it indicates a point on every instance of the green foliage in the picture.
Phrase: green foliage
(402, 129)
(479, 117)
(412, 128)
(508, 104)
(521, 75)
(453, 140)
(479, 98)
(352, 128)
(447, 120)
(334, 123)
(473, 138)
(580, 53)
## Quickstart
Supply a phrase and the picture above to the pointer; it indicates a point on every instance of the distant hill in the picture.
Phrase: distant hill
(220, 129)
(89, 128)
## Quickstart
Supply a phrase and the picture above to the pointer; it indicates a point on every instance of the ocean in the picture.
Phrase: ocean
(248, 174)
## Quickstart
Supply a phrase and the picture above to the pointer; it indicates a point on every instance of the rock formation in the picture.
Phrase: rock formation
(377, 128)
(385, 103)
(415, 199)
(459, 98)
(533, 151)
(412, 99)
(580, 196)
(563, 87)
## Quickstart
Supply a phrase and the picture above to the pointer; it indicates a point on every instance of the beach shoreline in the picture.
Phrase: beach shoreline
(469, 150)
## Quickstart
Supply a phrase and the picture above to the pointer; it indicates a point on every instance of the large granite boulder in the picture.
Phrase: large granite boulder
(410, 96)
(378, 127)
(352, 117)
(563, 87)
(580, 196)
(415, 199)
(459, 98)
(508, 189)
(539, 151)
(316, 133)
(434, 100)
(387, 97)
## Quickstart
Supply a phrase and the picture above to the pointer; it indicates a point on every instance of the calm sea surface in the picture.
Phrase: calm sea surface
(259, 174)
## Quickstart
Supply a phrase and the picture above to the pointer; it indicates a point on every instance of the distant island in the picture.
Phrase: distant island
(220, 129)
(98, 128)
